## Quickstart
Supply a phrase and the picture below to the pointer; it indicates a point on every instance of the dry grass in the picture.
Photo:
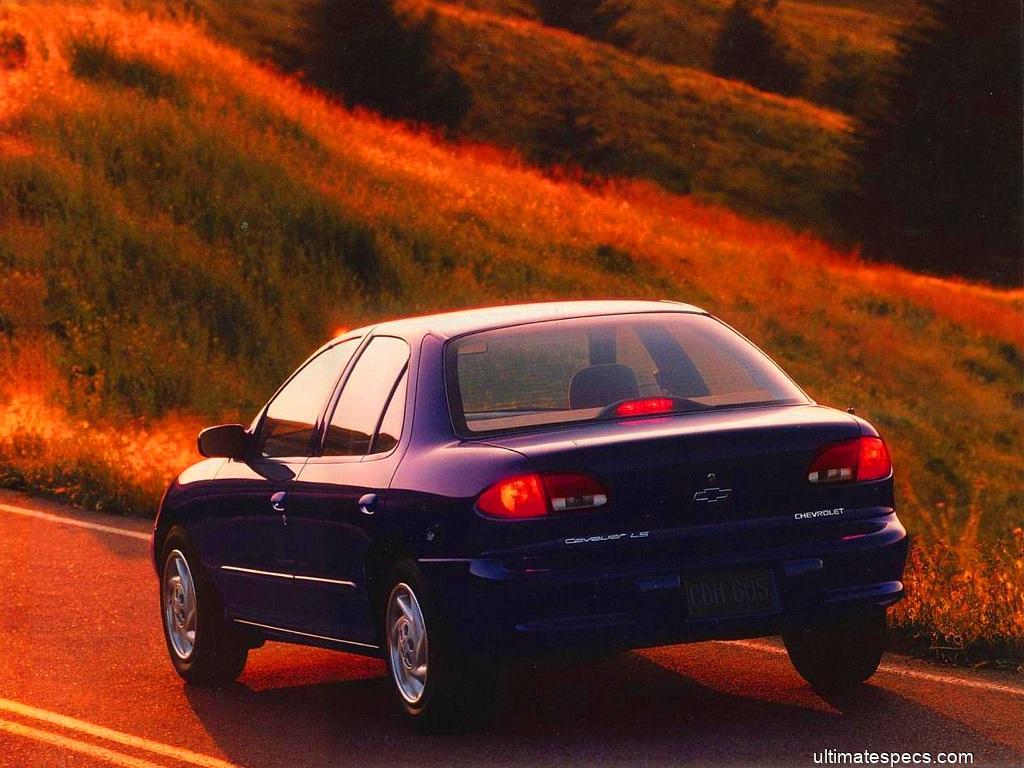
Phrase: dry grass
(117, 208)
(965, 596)
(121, 467)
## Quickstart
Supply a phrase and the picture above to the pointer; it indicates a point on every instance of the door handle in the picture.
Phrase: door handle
(277, 501)
(368, 503)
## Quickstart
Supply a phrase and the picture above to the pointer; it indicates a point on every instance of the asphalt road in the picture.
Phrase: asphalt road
(84, 680)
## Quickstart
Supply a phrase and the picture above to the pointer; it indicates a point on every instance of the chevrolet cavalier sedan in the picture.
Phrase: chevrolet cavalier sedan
(448, 492)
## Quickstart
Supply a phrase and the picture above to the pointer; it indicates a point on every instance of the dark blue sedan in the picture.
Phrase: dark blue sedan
(451, 491)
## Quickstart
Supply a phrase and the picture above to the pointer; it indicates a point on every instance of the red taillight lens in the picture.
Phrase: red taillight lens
(526, 496)
(858, 460)
(874, 462)
(515, 498)
(645, 406)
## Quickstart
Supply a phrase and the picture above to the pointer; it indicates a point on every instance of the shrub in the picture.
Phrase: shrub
(13, 50)
(751, 47)
(572, 136)
(593, 18)
(615, 260)
(364, 50)
(847, 78)
(95, 59)
(965, 602)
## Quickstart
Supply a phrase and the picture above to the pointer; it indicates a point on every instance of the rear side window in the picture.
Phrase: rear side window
(574, 370)
(367, 391)
(290, 420)
(394, 416)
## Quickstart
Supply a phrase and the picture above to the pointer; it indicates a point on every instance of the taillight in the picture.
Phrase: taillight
(645, 406)
(515, 498)
(526, 496)
(857, 460)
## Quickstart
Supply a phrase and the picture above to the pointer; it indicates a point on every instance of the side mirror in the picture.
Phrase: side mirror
(228, 440)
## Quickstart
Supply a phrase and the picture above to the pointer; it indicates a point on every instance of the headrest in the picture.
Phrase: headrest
(601, 385)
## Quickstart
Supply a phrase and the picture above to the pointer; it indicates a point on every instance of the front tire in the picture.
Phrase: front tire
(437, 687)
(841, 654)
(204, 647)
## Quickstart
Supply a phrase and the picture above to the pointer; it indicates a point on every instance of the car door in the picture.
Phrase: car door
(340, 496)
(249, 497)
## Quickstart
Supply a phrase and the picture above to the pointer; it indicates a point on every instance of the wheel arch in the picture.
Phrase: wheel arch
(382, 556)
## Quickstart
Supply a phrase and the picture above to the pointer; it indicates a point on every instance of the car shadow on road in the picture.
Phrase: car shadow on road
(628, 710)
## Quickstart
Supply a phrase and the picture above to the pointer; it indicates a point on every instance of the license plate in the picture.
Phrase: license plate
(731, 593)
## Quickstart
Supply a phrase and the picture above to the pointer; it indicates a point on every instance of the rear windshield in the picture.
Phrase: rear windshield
(566, 371)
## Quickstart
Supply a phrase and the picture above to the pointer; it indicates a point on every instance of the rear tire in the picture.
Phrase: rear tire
(204, 647)
(840, 655)
(436, 686)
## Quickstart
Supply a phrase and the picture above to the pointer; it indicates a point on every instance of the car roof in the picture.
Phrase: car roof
(449, 324)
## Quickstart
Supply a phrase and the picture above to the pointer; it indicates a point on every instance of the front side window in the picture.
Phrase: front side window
(290, 420)
(580, 369)
(366, 392)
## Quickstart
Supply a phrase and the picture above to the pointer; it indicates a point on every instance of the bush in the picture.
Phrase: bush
(13, 50)
(363, 50)
(848, 76)
(965, 603)
(593, 18)
(572, 136)
(751, 47)
(95, 59)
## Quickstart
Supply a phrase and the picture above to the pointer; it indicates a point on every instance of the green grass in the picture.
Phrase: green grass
(138, 305)
(579, 102)
(633, 103)
(684, 34)
(627, 111)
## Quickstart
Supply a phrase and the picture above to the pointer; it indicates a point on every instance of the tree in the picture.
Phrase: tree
(848, 78)
(591, 18)
(570, 136)
(941, 157)
(752, 48)
(364, 50)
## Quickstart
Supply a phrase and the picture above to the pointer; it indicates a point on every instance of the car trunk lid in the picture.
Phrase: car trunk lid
(693, 469)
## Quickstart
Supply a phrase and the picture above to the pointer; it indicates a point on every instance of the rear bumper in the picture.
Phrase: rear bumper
(530, 603)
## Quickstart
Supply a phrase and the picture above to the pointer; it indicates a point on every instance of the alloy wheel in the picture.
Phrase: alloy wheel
(180, 605)
(407, 643)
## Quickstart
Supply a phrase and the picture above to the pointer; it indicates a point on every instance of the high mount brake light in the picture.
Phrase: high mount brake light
(645, 406)
(858, 460)
(527, 496)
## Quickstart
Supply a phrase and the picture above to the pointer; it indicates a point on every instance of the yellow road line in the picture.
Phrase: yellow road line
(28, 512)
(92, 750)
(124, 739)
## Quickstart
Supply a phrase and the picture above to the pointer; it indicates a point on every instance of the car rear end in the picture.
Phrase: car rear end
(661, 481)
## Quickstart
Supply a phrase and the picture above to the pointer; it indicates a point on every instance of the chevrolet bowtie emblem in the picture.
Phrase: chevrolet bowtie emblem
(711, 495)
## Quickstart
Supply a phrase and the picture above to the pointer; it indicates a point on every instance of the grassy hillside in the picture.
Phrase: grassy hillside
(826, 34)
(179, 227)
(578, 102)
(820, 32)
